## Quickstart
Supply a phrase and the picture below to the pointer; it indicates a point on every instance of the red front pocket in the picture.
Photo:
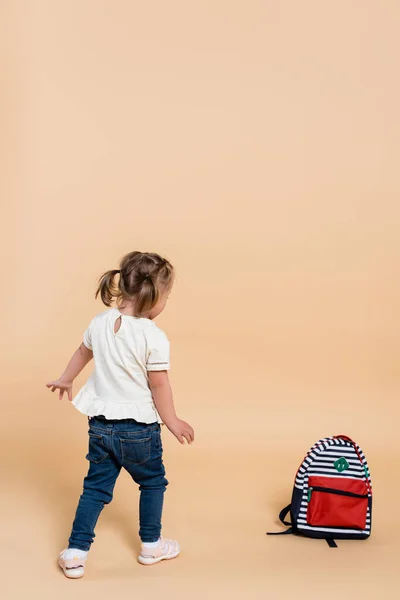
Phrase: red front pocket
(333, 507)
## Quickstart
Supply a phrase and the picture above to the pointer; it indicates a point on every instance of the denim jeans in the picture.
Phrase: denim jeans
(112, 445)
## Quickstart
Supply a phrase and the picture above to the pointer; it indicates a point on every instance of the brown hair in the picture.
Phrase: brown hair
(143, 277)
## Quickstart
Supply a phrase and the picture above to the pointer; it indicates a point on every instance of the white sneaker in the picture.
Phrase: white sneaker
(166, 550)
(72, 562)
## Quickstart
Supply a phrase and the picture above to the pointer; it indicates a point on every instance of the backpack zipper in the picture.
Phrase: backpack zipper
(332, 491)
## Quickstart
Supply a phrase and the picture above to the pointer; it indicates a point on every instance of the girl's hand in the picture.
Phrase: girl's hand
(79, 360)
(182, 431)
(63, 386)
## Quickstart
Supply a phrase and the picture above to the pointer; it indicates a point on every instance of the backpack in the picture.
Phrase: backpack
(332, 494)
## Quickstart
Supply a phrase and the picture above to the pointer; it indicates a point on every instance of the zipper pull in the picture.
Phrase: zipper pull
(310, 491)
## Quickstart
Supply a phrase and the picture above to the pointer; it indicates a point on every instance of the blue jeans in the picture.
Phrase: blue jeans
(112, 445)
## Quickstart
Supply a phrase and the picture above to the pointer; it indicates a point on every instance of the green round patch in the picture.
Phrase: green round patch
(341, 464)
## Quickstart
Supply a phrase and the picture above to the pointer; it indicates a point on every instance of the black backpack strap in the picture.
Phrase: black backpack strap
(290, 530)
(282, 516)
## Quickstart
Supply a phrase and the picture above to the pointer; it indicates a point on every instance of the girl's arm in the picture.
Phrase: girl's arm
(77, 363)
(162, 396)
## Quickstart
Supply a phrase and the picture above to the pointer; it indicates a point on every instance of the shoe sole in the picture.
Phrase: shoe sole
(70, 574)
(154, 561)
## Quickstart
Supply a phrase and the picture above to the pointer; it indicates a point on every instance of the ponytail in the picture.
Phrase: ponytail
(107, 289)
(147, 296)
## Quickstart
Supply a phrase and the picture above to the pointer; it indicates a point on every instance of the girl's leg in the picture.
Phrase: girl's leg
(98, 489)
(152, 491)
(143, 461)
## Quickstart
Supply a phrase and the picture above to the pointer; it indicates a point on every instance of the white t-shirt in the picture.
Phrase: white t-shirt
(118, 387)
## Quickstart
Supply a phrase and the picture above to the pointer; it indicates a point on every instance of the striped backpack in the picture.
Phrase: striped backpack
(332, 494)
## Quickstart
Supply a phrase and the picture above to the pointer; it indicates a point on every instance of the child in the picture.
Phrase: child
(126, 399)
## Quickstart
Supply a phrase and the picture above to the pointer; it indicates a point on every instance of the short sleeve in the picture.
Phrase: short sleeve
(87, 337)
(158, 351)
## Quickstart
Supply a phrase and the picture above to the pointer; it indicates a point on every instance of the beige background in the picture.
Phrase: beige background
(255, 144)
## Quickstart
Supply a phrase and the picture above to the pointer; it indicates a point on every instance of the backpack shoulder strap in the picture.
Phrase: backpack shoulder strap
(282, 516)
(287, 531)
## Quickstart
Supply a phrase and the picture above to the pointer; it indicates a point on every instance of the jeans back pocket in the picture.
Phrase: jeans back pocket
(135, 451)
(97, 452)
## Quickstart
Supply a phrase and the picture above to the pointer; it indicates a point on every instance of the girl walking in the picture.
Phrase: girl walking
(126, 399)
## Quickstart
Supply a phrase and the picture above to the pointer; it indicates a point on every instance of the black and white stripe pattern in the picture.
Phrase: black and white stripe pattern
(319, 462)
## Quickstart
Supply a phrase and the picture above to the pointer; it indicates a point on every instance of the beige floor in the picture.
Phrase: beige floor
(224, 494)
